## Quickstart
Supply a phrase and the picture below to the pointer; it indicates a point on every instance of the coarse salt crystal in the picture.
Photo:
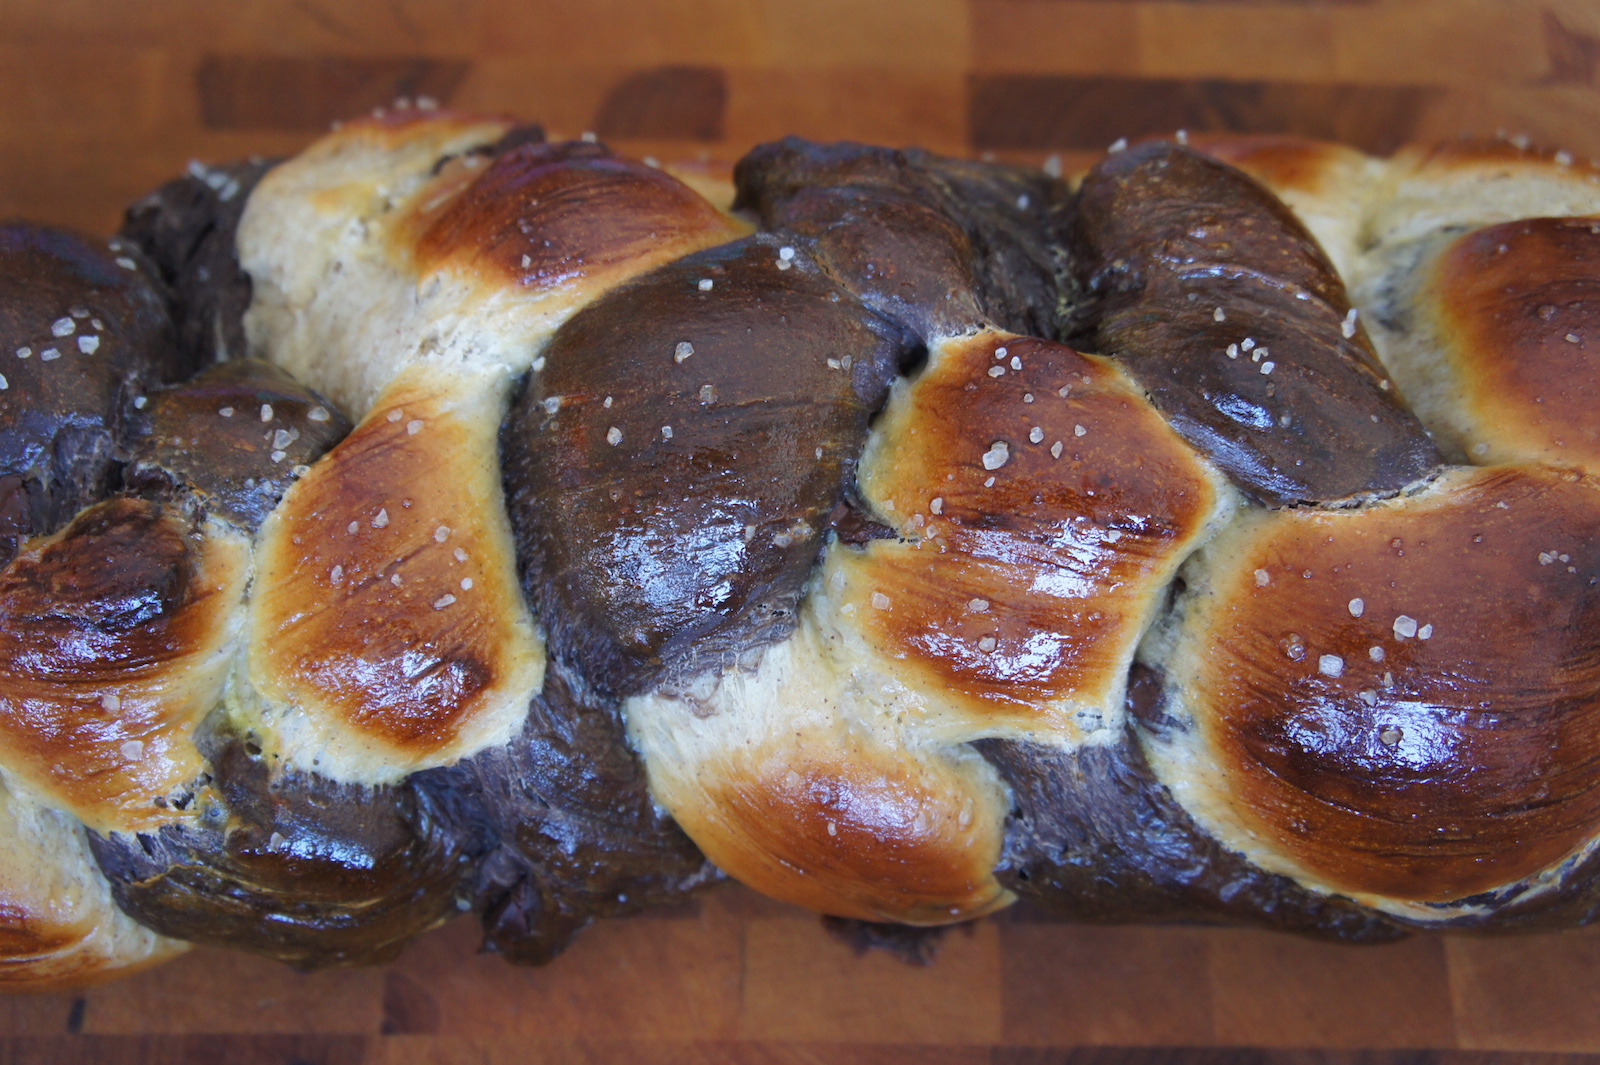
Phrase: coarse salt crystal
(394, 416)
(460, 555)
(63, 327)
(997, 371)
(1219, 315)
(1330, 665)
(316, 414)
(1263, 578)
(978, 606)
(937, 506)
(1348, 327)
(382, 520)
(880, 601)
(998, 454)
(613, 436)
(88, 344)
(266, 412)
(1055, 450)
(441, 534)
(986, 644)
(443, 601)
(111, 702)
(1357, 607)
(466, 584)
(49, 355)
(1405, 627)
(705, 284)
(1078, 430)
(414, 426)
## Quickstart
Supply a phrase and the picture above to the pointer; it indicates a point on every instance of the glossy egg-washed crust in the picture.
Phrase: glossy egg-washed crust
(1400, 701)
(1223, 307)
(882, 666)
(1519, 307)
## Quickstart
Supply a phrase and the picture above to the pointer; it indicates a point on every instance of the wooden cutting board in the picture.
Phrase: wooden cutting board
(102, 100)
(735, 978)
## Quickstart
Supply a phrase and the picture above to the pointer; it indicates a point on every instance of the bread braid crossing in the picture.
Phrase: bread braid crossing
(449, 519)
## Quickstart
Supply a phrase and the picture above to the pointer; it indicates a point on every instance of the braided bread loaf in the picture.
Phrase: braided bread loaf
(448, 519)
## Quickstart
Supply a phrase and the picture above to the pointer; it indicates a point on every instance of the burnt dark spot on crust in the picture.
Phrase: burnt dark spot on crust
(1219, 302)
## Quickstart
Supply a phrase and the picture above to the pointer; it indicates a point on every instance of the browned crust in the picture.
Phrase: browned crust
(396, 126)
(102, 629)
(385, 606)
(1027, 583)
(1519, 311)
(878, 834)
(543, 216)
(1281, 162)
(1484, 152)
(1441, 743)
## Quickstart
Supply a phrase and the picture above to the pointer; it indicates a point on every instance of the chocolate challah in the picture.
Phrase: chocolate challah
(448, 519)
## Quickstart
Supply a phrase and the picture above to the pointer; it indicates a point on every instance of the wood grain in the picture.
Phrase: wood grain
(104, 100)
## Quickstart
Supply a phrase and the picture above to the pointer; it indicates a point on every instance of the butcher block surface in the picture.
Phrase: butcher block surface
(101, 101)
